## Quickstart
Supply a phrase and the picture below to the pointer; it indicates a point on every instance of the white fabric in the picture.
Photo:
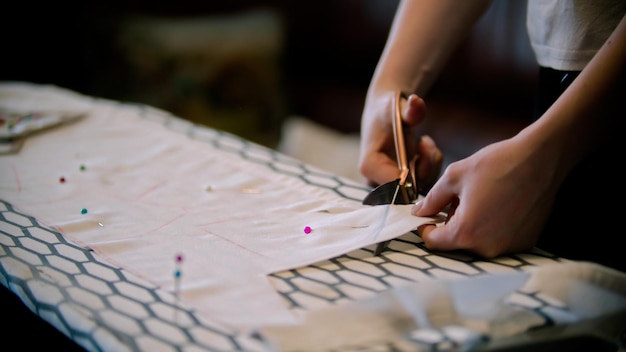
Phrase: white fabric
(152, 193)
(566, 34)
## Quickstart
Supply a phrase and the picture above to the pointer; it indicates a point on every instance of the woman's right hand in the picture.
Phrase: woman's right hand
(378, 162)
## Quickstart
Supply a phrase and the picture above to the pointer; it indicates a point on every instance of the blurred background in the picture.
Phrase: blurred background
(289, 75)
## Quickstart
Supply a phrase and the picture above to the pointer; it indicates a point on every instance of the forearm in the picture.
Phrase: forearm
(587, 112)
(423, 35)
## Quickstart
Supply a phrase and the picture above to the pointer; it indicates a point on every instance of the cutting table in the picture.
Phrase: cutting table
(127, 228)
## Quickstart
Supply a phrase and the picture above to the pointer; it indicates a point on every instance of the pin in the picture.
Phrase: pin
(177, 275)
(250, 190)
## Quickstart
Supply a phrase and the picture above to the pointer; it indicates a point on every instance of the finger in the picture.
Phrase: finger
(430, 161)
(436, 200)
(414, 110)
(379, 169)
(424, 230)
(452, 210)
(437, 238)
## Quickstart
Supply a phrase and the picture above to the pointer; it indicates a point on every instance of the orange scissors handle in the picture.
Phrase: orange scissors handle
(408, 180)
(398, 134)
(404, 189)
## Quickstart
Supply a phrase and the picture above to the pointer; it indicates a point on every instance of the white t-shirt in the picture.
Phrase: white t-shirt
(566, 34)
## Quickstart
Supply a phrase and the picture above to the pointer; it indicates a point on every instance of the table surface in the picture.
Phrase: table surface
(102, 306)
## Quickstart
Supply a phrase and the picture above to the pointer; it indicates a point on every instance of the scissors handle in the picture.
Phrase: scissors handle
(404, 189)
(398, 134)
(408, 178)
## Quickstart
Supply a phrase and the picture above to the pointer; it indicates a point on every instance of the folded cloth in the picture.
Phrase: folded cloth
(462, 314)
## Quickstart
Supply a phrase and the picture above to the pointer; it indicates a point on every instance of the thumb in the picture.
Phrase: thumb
(437, 238)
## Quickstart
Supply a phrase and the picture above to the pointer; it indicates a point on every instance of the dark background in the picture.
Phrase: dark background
(328, 53)
(329, 50)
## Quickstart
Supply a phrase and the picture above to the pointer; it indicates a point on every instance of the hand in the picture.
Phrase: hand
(499, 198)
(378, 162)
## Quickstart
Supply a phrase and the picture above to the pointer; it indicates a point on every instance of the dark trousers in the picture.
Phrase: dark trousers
(588, 219)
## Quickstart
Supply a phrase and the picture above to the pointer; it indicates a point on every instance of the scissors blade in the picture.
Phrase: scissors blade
(382, 245)
(383, 194)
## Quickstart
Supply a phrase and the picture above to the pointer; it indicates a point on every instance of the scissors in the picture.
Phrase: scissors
(404, 189)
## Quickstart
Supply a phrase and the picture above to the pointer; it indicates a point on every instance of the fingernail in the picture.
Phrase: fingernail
(416, 207)
(428, 140)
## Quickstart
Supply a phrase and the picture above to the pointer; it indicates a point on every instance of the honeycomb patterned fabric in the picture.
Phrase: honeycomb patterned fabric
(129, 228)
